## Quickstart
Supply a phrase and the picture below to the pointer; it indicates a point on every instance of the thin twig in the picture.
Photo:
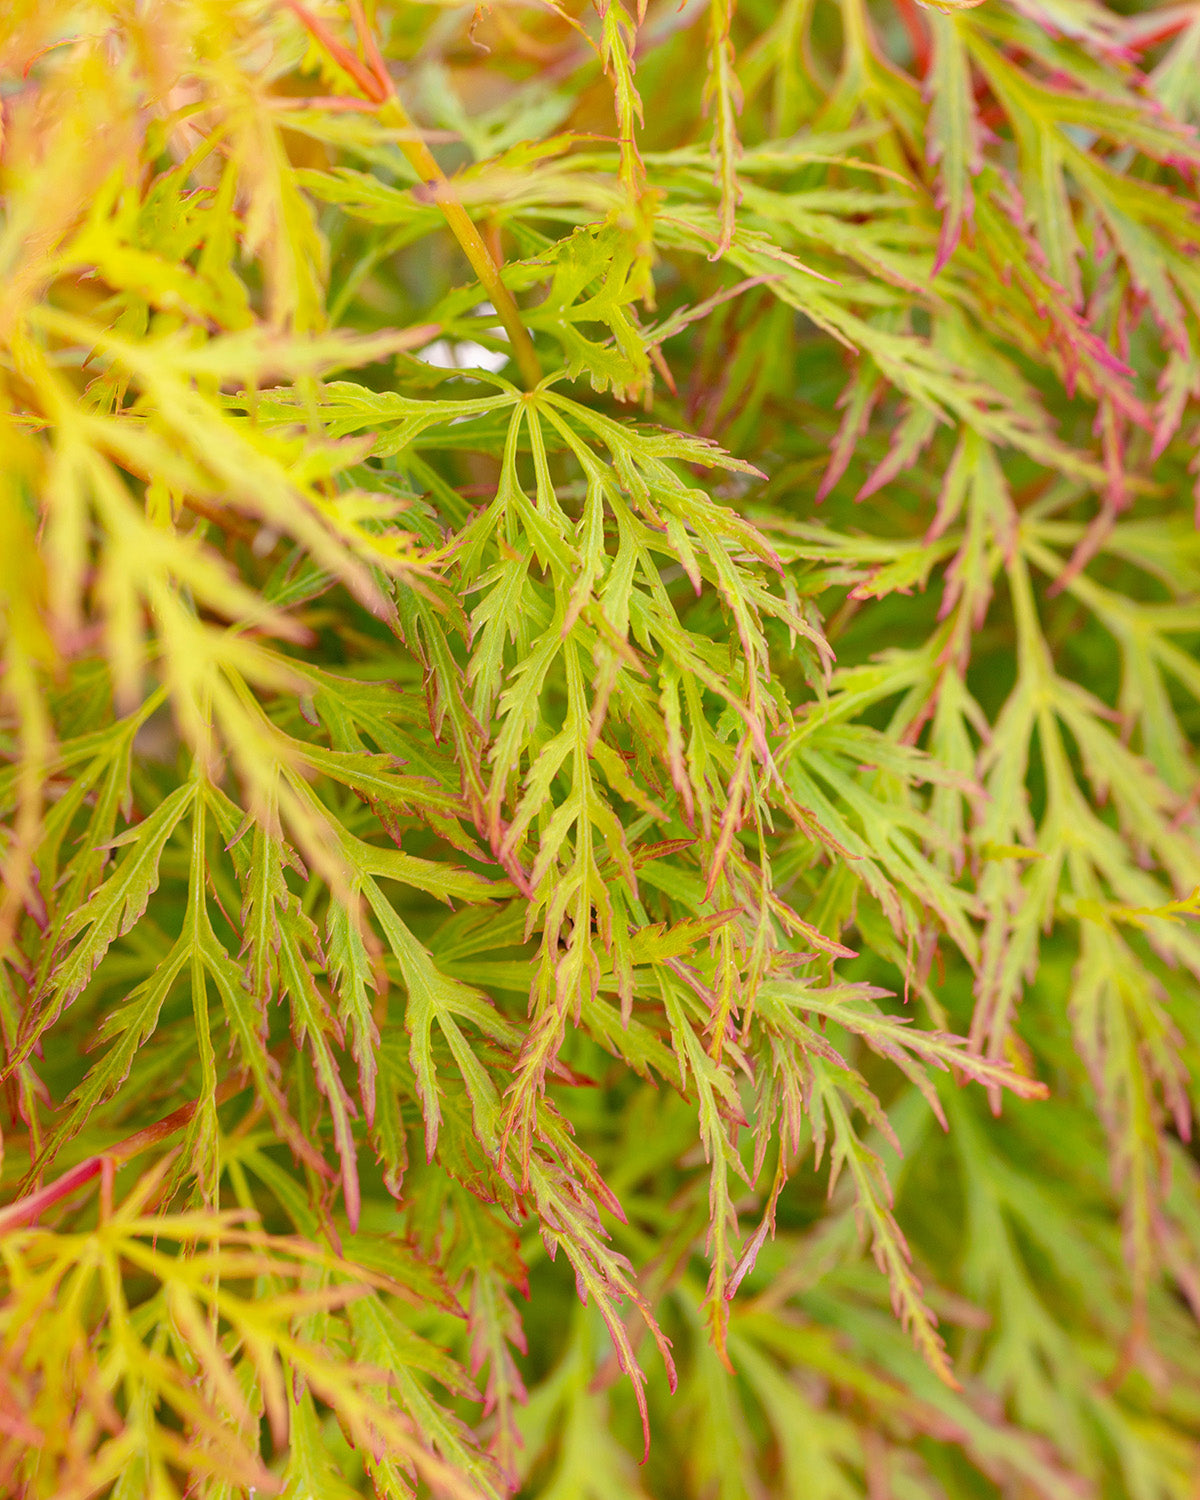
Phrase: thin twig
(373, 79)
(28, 1210)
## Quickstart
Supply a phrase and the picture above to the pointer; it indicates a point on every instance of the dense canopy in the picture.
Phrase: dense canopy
(599, 816)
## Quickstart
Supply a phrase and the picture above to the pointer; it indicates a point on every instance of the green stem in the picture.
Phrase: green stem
(392, 113)
(372, 78)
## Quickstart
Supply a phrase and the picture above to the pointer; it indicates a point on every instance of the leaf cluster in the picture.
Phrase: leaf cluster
(598, 718)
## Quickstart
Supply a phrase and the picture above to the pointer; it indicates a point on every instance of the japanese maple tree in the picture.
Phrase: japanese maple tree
(599, 810)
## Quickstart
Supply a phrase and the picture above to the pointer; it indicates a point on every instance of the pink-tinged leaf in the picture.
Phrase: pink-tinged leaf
(909, 440)
(354, 979)
(952, 141)
(659, 943)
(1178, 384)
(857, 401)
(495, 1331)
(873, 1204)
(1116, 498)
(312, 1023)
(731, 818)
(1061, 329)
(1091, 24)
(766, 1226)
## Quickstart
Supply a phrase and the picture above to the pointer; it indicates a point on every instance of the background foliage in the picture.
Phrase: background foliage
(647, 802)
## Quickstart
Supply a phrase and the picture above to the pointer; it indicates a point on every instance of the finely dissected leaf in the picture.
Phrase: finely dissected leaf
(954, 131)
(490, 871)
(116, 905)
(723, 97)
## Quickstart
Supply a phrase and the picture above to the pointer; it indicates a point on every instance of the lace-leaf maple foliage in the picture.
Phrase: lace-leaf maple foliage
(599, 693)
